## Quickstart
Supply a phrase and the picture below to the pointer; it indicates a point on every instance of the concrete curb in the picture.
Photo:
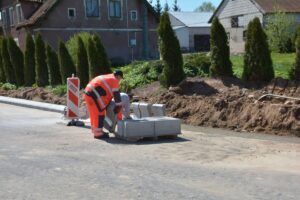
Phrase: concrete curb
(33, 104)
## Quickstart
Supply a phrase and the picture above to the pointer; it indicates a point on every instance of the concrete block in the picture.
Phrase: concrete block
(145, 109)
(136, 110)
(135, 128)
(158, 110)
(166, 126)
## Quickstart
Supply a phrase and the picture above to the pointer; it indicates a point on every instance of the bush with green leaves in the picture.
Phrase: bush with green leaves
(2, 73)
(196, 65)
(103, 61)
(29, 61)
(8, 86)
(220, 52)
(53, 66)
(60, 90)
(7, 66)
(169, 46)
(17, 60)
(66, 64)
(294, 73)
(258, 64)
(82, 65)
(42, 78)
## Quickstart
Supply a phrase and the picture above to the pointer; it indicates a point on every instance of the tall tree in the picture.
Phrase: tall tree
(94, 69)
(66, 64)
(157, 7)
(17, 60)
(2, 73)
(42, 78)
(220, 52)
(82, 65)
(206, 7)
(295, 71)
(103, 61)
(7, 66)
(166, 7)
(53, 66)
(257, 59)
(173, 72)
(175, 6)
(29, 61)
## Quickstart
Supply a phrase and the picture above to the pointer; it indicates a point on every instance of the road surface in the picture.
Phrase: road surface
(40, 158)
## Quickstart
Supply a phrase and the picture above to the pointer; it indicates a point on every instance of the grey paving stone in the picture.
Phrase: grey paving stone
(145, 109)
(158, 110)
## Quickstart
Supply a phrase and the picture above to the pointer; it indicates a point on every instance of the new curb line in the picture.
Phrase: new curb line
(33, 104)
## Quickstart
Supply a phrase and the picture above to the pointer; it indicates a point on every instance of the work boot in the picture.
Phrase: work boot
(104, 136)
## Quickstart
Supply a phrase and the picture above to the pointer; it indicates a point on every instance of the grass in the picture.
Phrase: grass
(282, 64)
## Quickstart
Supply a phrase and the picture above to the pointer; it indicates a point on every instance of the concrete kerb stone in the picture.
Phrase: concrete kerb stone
(145, 109)
(158, 110)
(136, 110)
(33, 104)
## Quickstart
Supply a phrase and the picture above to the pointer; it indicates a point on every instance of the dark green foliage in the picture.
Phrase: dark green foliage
(41, 70)
(94, 69)
(7, 66)
(2, 73)
(173, 72)
(29, 61)
(175, 6)
(17, 60)
(67, 67)
(196, 65)
(157, 7)
(82, 66)
(53, 66)
(220, 52)
(295, 71)
(257, 59)
(103, 62)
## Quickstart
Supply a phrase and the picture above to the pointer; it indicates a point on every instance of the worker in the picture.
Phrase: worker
(98, 94)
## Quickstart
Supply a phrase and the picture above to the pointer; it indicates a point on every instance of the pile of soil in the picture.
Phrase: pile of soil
(231, 103)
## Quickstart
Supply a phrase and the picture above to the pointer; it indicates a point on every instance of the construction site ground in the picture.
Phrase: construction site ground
(41, 158)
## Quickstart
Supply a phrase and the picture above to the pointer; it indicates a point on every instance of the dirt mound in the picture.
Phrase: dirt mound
(230, 103)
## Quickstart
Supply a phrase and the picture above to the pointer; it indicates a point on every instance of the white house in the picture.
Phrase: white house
(235, 16)
(192, 30)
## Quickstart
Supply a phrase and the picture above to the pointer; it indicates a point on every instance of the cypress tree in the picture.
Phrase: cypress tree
(170, 50)
(295, 71)
(17, 60)
(29, 61)
(103, 62)
(257, 59)
(67, 67)
(82, 66)
(42, 78)
(53, 66)
(7, 66)
(94, 69)
(2, 73)
(220, 52)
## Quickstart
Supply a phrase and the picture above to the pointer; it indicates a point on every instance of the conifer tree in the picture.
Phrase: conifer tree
(67, 67)
(158, 8)
(94, 69)
(29, 61)
(41, 70)
(53, 66)
(257, 59)
(7, 66)
(82, 65)
(103, 61)
(175, 6)
(2, 73)
(166, 7)
(17, 60)
(295, 71)
(173, 72)
(220, 52)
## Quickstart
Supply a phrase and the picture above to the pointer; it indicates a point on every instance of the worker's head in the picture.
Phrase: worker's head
(118, 74)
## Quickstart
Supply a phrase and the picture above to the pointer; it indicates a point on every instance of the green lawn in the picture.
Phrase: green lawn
(282, 64)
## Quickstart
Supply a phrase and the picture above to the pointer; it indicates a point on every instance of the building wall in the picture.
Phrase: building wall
(183, 37)
(197, 31)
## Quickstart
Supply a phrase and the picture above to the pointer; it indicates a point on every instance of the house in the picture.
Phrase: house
(235, 16)
(192, 30)
(127, 27)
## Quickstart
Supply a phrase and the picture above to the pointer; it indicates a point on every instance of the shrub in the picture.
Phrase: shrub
(173, 72)
(29, 61)
(60, 90)
(257, 59)
(7, 66)
(17, 60)
(94, 69)
(82, 65)
(220, 52)
(196, 65)
(8, 86)
(103, 62)
(2, 73)
(295, 71)
(53, 66)
(67, 67)
(42, 78)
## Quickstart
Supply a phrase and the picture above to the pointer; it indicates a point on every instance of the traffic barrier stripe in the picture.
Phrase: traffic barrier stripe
(73, 85)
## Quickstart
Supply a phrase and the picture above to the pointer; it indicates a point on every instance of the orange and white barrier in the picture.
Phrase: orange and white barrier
(73, 85)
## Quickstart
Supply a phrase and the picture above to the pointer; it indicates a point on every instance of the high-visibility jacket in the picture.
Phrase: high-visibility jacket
(103, 88)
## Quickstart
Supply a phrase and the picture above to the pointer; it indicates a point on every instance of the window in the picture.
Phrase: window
(71, 13)
(11, 16)
(92, 8)
(133, 15)
(4, 17)
(19, 13)
(115, 8)
(235, 22)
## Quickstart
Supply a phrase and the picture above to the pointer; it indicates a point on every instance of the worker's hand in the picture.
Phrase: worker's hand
(117, 109)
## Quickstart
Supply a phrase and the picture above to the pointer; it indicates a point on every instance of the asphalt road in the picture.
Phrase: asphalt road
(40, 158)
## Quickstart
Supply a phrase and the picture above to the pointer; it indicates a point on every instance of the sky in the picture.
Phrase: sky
(189, 5)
